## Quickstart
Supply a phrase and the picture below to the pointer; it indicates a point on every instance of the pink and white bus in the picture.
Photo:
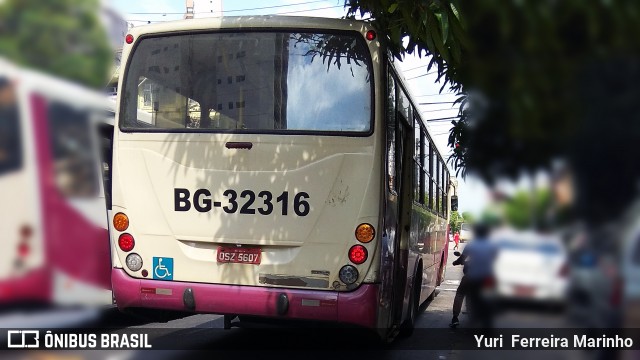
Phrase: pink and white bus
(282, 170)
(54, 243)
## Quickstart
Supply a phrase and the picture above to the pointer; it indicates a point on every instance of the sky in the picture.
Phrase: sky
(473, 195)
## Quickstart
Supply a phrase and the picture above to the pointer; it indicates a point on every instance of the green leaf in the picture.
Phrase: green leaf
(393, 8)
(444, 25)
(437, 40)
(454, 10)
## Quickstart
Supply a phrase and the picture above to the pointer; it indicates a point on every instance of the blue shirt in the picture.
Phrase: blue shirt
(480, 255)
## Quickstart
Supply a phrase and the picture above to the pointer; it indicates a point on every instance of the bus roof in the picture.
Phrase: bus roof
(252, 22)
(56, 88)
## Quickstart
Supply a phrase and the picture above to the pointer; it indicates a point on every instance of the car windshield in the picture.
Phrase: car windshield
(249, 82)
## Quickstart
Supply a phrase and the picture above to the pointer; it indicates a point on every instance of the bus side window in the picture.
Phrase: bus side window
(426, 180)
(10, 139)
(74, 165)
(433, 186)
(418, 185)
(105, 137)
(391, 133)
(445, 188)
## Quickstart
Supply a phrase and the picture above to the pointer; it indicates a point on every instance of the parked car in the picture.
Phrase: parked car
(466, 232)
(595, 293)
(531, 267)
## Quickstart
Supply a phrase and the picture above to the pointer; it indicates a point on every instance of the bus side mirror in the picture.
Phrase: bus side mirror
(454, 203)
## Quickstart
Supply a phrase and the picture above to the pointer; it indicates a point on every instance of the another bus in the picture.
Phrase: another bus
(54, 243)
(282, 170)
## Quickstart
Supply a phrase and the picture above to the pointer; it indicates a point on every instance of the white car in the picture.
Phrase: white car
(531, 267)
(466, 232)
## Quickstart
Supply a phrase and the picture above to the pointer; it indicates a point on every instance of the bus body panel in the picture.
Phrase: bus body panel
(340, 180)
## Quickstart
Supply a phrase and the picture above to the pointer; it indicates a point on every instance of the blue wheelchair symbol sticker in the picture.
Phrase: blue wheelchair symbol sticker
(163, 268)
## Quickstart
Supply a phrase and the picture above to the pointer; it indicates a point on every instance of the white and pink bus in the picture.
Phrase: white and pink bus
(54, 243)
(282, 170)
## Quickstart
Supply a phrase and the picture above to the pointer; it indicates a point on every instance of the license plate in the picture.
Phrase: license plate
(238, 255)
(525, 291)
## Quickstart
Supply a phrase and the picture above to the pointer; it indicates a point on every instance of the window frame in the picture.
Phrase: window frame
(358, 36)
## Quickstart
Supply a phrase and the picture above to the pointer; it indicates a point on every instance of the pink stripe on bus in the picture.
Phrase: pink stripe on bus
(72, 243)
(358, 307)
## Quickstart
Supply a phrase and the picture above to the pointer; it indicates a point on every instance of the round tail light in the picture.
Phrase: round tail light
(134, 262)
(120, 222)
(365, 233)
(126, 242)
(370, 35)
(358, 254)
(348, 274)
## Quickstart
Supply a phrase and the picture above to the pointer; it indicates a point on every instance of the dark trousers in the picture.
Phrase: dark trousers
(472, 290)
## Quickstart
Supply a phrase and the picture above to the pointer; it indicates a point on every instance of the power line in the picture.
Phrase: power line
(447, 94)
(279, 13)
(417, 67)
(429, 73)
(443, 119)
(227, 11)
(299, 11)
(440, 124)
(449, 109)
(437, 102)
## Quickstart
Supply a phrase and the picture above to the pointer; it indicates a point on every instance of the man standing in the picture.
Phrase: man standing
(477, 258)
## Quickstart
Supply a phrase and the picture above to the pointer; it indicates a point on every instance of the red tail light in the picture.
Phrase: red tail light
(370, 35)
(358, 254)
(126, 242)
(564, 270)
(25, 235)
(615, 299)
(489, 283)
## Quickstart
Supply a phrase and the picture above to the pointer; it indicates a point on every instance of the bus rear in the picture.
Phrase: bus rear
(246, 170)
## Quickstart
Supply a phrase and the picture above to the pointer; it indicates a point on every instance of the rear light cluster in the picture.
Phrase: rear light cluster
(126, 242)
(358, 254)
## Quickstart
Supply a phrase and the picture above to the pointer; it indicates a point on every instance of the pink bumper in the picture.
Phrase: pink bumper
(358, 307)
(33, 286)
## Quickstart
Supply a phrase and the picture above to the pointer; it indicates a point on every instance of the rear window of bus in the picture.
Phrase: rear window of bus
(10, 136)
(256, 82)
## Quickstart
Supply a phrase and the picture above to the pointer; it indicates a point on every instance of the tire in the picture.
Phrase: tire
(407, 327)
(443, 271)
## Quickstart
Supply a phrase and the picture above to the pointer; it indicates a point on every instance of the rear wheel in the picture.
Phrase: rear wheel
(407, 327)
(443, 271)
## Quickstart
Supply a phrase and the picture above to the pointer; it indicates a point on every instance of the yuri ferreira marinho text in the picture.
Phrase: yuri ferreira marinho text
(578, 341)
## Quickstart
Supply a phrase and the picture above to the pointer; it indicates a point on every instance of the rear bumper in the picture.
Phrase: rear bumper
(34, 286)
(552, 293)
(358, 307)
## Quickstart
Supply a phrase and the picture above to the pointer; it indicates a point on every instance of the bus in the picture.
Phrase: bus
(282, 170)
(54, 153)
